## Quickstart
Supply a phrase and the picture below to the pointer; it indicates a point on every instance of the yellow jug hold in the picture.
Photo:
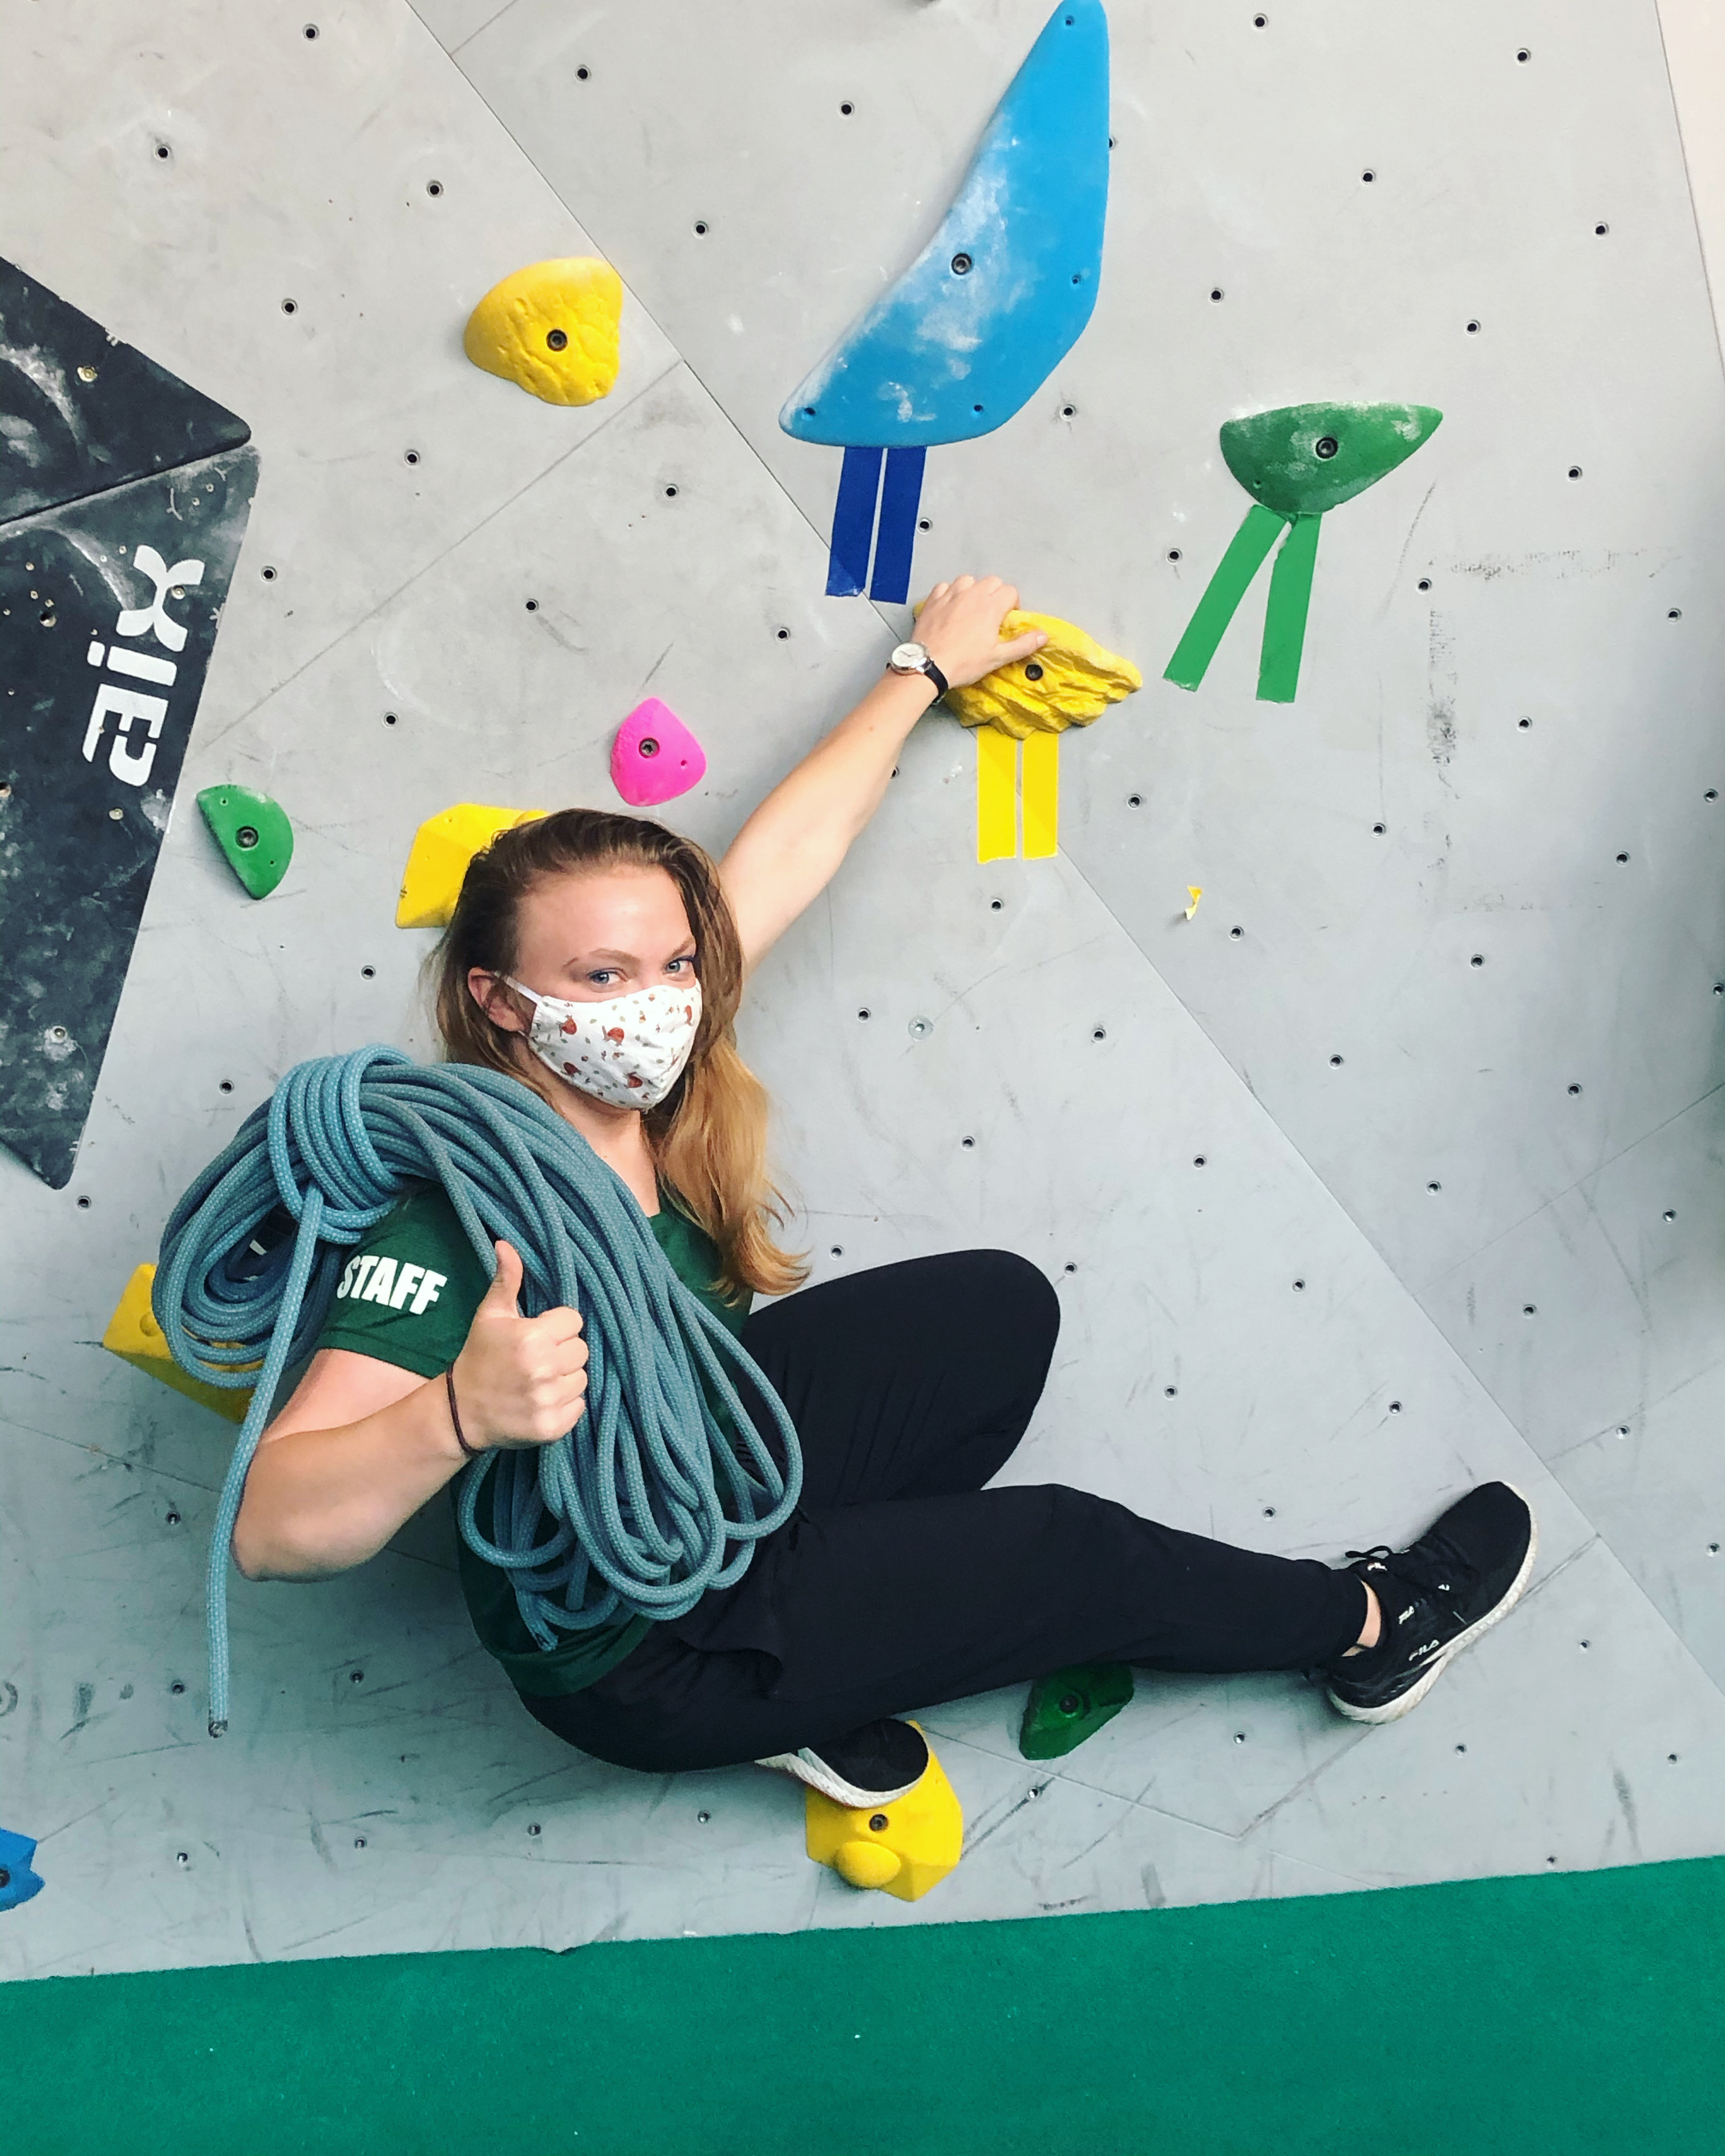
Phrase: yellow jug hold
(1069, 682)
(903, 1848)
(438, 860)
(551, 330)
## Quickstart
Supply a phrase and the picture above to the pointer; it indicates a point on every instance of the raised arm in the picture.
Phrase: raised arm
(790, 848)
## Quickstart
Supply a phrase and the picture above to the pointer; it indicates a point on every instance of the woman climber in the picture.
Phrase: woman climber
(598, 959)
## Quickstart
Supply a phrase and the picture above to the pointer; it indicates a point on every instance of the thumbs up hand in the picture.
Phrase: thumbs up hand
(520, 1381)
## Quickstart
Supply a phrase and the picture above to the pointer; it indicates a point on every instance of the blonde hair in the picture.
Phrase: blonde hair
(708, 1136)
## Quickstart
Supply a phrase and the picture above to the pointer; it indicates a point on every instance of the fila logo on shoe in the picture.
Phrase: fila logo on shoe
(373, 1279)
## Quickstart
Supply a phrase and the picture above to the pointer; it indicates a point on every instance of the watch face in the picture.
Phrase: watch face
(908, 659)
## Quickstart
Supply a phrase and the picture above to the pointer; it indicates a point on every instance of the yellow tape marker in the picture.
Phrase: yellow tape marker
(997, 785)
(135, 1336)
(1041, 795)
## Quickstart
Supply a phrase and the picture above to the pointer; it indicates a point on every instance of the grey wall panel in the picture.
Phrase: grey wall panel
(298, 172)
(1309, 1419)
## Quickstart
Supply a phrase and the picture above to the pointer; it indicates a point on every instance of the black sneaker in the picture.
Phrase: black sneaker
(1466, 1571)
(874, 1765)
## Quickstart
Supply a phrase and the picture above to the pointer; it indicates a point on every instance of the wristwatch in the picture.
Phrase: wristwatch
(914, 658)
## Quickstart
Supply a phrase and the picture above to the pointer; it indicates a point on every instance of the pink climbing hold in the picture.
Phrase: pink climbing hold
(654, 756)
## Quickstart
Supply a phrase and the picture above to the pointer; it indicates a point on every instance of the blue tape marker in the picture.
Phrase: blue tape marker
(18, 1882)
(854, 524)
(897, 535)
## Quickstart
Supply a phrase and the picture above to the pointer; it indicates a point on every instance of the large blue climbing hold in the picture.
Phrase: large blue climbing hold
(1003, 291)
(18, 1882)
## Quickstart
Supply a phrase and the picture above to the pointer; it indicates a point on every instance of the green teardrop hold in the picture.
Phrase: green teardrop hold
(1304, 459)
(1072, 1704)
(252, 832)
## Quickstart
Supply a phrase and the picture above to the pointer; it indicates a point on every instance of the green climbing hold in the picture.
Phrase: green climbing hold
(1305, 459)
(1295, 462)
(253, 831)
(1071, 1705)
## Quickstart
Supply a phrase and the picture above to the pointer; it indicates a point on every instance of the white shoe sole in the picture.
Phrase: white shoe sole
(1405, 1703)
(816, 1774)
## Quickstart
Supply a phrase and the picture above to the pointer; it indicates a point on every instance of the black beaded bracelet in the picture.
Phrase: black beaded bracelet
(472, 1451)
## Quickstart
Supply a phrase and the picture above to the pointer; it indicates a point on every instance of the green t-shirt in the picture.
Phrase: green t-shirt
(407, 1296)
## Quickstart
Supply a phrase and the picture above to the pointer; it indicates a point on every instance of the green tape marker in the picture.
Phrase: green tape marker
(1297, 463)
(1284, 617)
(252, 832)
(1223, 593)
(1071, 1705)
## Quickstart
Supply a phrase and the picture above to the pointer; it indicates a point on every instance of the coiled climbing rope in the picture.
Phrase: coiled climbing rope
(651, 1499)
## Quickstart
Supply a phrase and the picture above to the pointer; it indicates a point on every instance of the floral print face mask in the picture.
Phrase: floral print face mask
(627, 1050)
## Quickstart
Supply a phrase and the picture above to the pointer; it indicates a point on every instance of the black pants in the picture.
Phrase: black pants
(901, 1581)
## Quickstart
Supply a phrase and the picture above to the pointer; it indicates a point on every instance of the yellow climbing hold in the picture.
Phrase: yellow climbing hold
(443, 846)
(1070, 682)
(1194, 892)
(903, 1848)
(135, 1336)
(551, 329)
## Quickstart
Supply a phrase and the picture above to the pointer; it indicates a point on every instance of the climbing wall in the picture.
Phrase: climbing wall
(1397, 1165)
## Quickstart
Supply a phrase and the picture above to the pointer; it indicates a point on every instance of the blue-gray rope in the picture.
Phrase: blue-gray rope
(651, 1499)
